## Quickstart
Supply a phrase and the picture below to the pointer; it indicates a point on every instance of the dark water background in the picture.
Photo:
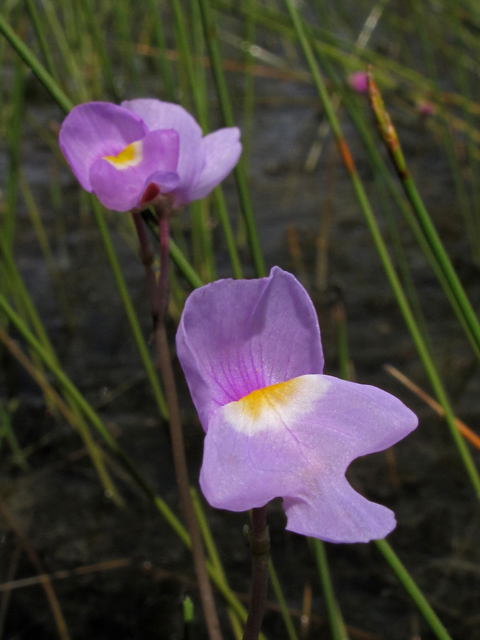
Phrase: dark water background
(60, 502)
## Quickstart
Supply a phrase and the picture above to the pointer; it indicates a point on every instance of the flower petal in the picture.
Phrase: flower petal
(222, 150)
(236, 336)
(165, 115)
(94, 130)
(295, 440)
(120, 185)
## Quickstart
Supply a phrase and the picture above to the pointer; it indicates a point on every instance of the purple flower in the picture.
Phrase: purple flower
(359, 81)
(275, 425)
(130, 154)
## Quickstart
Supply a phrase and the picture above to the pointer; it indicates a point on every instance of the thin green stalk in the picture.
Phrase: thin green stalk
(222, 214)
(249, 97)
(199, 100)
(63, 45)
(7, 432)
(122, 23)
(340, 320)
(155, 14)
(392, 143)
(422, 22)
(36, 220)
(42, 74)
(277, 589)
(42, 39)
(409, 584)
(203, 257)
(14, 146)
(198, 66)
(337, 626)
(471, 148)
(226, 108)
(184, 266)
(383, 253)
(101, 50)
(188, 619)
(72, 28)
(129, 308)
(200, 210)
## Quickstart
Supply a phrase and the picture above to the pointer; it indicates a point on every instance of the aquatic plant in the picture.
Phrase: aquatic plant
(127, 155)
(275, 424)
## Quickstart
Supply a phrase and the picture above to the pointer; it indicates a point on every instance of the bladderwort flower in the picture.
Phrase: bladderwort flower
(276, 426)
(127, 155)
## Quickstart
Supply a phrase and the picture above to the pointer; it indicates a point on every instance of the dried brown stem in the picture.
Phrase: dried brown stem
(32, 555)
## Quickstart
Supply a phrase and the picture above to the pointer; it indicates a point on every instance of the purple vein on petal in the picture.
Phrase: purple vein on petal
(286, 428)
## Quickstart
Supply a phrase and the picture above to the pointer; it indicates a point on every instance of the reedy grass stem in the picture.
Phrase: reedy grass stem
(412, 589)
(227, 113)
(337, 625)
(199, 99)
(394, 148)
(42, 39)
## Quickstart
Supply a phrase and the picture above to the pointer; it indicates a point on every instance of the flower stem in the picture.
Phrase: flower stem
(158, 294)
(259, 541)
(146, 256)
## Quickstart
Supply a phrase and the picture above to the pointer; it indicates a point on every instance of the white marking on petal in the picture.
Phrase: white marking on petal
(277, 406)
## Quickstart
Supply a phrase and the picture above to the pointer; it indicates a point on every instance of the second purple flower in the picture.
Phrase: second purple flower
(129, 154)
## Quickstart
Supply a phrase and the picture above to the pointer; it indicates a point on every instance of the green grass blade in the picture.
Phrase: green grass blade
(42, 39)
(287, 618)
(412, 589)
(99, 43)
(226, 108)
(129, 308)
(14, 146)
(42, 74)
(154, 12)
(337, 626)
(199, 101)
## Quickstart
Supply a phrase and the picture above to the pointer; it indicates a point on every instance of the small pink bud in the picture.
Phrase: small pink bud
(425, 108)
(359, 81)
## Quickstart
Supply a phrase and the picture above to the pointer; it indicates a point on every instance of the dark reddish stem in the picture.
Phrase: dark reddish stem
(259, 541)
(163, 284)
(159, 301)
(147, 258)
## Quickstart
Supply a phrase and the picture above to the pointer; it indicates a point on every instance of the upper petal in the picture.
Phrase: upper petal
(166, 115)
(236, 336)
(96, 129)
(295, 440)
(222, 150)
(119, 186)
